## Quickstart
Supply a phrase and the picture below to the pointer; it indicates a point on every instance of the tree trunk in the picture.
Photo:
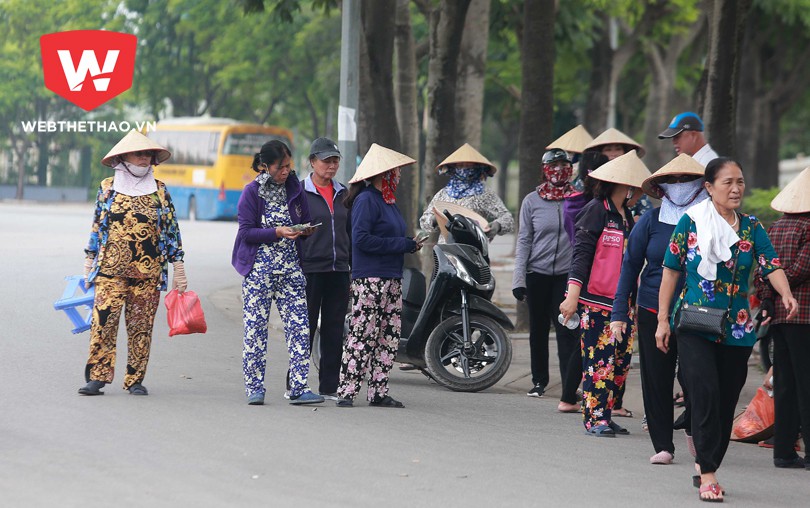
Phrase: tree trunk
(407, 113)
(726, 28)
(471, 74)
(446, 28)
(596, 107)
(377, 90)
(537, 95)
(663, 67)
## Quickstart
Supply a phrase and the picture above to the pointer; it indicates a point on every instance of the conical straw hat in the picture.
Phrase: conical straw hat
(614, 136)
(378, 160)
(134, 141)
(573, 141)
(467, 153)
(795, 197)
(626, 170)
(681, 165)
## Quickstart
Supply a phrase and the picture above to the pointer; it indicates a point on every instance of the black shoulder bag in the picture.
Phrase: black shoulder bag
(706, 320)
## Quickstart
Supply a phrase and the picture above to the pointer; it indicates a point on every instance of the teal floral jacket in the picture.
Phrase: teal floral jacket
(755, 251)
(169, 243)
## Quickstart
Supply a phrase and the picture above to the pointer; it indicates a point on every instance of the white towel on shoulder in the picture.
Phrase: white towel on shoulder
(714, 237)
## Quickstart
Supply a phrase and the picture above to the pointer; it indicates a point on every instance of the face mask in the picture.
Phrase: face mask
(557, 175)
(681, 194)
(137, 170)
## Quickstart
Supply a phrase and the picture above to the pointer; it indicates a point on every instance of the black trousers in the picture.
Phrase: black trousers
(714, 375)
(791, 387)
(328, 297)
(544, 294)
(657, 381)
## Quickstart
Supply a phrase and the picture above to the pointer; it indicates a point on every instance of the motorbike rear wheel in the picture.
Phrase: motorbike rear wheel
(483, 365)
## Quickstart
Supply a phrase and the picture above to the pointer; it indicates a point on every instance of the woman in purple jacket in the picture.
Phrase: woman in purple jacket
(265, 254)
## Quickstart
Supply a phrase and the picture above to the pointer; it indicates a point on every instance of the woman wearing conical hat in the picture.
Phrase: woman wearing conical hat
(602, 227)
(468, 170)
(613, 143)
(379, 246)
(133, 239)
(790, 236)
(679, 185)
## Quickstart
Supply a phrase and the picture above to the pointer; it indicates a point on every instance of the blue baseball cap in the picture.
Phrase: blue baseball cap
(687, 121)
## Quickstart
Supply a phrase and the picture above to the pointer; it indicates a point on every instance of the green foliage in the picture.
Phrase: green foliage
(758, 204)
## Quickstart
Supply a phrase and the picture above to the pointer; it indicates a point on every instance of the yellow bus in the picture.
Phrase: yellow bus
(211, 162)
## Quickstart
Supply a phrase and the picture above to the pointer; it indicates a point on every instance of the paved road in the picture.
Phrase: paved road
(194, 441)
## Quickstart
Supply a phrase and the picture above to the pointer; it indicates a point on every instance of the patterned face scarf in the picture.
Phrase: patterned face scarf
(390, 180)
(271, 191)
(678, 197)
(556, 185)
(466, 182)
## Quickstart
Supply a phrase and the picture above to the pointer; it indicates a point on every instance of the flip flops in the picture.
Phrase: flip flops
(712, 488)
(625, 414)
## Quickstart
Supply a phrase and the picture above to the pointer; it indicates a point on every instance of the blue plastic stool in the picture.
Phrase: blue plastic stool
(70, 300)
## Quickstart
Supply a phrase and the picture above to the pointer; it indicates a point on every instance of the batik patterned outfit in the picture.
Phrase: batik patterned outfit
(605, 360)
(275, 274)
(715, 368)
(379, 245)
(133, 239)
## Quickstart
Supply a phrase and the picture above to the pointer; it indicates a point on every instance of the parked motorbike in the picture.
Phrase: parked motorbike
(453, 332)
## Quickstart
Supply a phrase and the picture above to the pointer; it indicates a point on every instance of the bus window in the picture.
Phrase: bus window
(194, 148)
(248, 143)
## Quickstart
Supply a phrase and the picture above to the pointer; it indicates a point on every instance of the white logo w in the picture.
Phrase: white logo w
(87, 63)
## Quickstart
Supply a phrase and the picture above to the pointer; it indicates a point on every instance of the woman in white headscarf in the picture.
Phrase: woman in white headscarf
(679, 185)
(716, 247)
(133, 239)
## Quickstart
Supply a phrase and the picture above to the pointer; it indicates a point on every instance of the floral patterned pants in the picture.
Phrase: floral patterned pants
(141, 298)
(605, 363)
(373, 336)
(259, 289)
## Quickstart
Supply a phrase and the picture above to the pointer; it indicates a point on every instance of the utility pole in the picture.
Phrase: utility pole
(349, 88)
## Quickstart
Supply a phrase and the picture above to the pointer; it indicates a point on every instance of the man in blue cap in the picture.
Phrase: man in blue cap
(686, 132)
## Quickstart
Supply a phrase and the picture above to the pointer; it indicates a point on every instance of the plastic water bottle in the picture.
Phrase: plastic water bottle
(572, 323)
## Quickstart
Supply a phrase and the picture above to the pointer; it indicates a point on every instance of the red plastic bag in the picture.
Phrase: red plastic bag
(756, 422)
(184, 313)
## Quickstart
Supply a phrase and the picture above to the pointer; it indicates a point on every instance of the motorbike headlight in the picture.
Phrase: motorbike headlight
(461, 270)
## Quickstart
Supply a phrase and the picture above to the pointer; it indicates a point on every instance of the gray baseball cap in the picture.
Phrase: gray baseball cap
(323, 148)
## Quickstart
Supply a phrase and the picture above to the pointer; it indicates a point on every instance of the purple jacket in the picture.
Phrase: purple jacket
(251, 233)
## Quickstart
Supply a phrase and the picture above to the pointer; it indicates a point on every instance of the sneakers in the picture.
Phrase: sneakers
(537, 391)
(92, 388)
(663, 457)
(306, 398)
(794, 463)
(256, 399)
(330, 396)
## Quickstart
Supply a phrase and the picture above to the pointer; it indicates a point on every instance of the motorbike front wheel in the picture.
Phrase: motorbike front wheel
(478, 367)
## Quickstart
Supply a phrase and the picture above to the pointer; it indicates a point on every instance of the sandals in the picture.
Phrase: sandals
(618, 429)
(713, 489)
(601, 431)
(565, 407)
(678, 400)
(92, 387)
(625, 414)
(138, 389)
(386, 401)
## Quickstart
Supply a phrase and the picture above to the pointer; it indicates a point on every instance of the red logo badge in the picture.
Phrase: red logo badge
(88, 67)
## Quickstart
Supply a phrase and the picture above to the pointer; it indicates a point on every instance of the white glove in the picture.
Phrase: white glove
(179, 280)
(88, 267)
